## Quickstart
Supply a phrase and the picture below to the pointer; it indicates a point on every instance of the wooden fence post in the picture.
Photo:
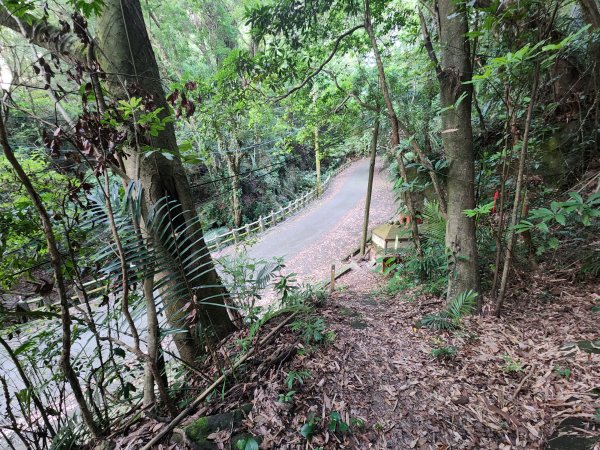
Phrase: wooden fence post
(235, 235)
(273, 218)
(332, 282)
(261, 224)
(247, 229)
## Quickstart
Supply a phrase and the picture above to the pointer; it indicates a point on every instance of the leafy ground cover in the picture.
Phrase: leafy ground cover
(360, 374)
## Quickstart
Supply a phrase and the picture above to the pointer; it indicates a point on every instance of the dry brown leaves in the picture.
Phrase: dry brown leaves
(507, 388)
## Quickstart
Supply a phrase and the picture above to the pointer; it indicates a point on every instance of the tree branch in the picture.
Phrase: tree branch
(323, 64)
(352, 94)
(428, 44)
(56, 262)
(67, 46)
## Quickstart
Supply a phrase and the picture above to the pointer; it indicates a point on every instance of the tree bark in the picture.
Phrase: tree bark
(318, 162)
(509, 146)
(126, 55)
(374, 136)
(395, 128)
(457, 136)
(233, 166)
(591, 11)
(514, 218)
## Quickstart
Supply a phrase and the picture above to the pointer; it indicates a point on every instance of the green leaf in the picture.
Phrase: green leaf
(560, 218)
(586, 220)
(576, 196)
(247, 444)
(524, 225)
(307, 430)
(543, 227)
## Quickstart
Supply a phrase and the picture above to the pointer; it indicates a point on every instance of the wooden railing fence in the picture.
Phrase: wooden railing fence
(233, 236)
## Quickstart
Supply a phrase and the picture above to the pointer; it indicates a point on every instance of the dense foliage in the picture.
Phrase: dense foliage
(125, 147)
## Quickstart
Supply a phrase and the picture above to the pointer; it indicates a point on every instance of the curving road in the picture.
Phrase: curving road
(330, 228)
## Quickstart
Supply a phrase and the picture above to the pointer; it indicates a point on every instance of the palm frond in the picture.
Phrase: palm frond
(171, 250)
(438, 321)
(450, 317)
(462, 305)
(434, 223)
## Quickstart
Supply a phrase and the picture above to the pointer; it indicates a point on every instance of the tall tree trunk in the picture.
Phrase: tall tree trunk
(374, 136)
(457, 136)
(395, 128)
(233, 166)
(591, 11)
(515, 216)
(318, 162)
(126, 55)
(437, 185)
(508, 149)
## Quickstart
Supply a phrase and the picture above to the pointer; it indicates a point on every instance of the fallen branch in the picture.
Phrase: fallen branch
(186, 412)
(522, 383)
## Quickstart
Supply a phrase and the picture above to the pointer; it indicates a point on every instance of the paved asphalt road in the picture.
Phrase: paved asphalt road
(328, 229)
(309, 226)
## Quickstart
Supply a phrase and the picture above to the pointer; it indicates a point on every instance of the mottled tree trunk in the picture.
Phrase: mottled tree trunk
(457, 136)
(125, 54)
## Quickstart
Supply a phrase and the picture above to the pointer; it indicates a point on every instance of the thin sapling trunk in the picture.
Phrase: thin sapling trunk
(56, 263)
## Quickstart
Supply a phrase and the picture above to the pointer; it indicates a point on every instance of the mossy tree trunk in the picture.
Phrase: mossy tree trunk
(457, 136)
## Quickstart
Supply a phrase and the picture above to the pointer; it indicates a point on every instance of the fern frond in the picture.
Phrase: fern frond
(440, 321)
(434, 223)
(462, 305)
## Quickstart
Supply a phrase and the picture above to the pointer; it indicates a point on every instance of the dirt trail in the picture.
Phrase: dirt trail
(506, 388)
(379, 370)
